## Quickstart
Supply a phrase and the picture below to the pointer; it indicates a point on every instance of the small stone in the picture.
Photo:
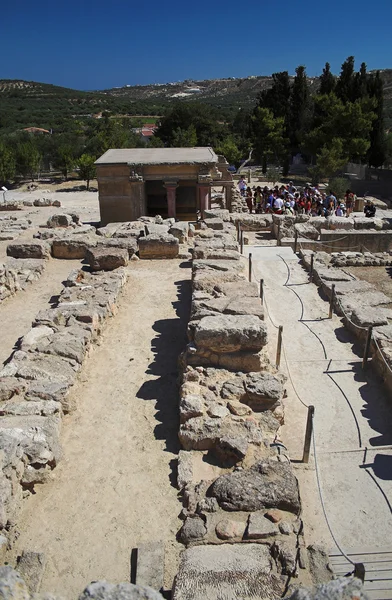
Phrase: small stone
(217, 411)
(259, 527)
(274, 515)
(193, 529)
(208, 505)
(232, 447)
(227, 529)
(285, 528)
(31, 566)
(239, 409)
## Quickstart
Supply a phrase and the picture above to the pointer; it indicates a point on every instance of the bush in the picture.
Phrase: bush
(339, 185)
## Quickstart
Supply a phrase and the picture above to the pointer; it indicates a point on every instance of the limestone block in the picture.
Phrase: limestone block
(184, 469)
(229, 571)
(259, 527)
(336, 223)
(12, 586)
(215, 223)
(31, 566)
(180, 231)
(158, 246)
(267, 484)
(101, 590)
(106, 259)
(228, 333)
(306, 230)
(43, 202)
(206, 433)
(60, 220)
(217, 213)
(34, 249)
(129, 243)
(71, 248)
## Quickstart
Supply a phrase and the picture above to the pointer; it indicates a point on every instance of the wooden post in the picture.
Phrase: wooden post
(279, 346)
(250, 266)
(238, 231)
(262, 290)
(367, 347)
(332, 301)
(359, 571)
(308, 434)
(295, 242)
(311, 268)
(242, 241)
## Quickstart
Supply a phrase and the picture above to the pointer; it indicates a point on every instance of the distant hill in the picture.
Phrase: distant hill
(29, 103)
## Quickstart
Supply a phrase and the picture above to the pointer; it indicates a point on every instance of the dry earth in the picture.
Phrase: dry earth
(114, 487)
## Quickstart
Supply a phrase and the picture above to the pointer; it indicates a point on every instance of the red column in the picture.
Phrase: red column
(171, 199)
(204, 196)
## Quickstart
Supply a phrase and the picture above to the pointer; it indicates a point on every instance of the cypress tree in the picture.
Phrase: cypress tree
(377, 151)
(299, 108)
(345, 86)
(327, 80)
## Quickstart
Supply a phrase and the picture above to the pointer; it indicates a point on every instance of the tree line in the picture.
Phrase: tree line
(329, 120)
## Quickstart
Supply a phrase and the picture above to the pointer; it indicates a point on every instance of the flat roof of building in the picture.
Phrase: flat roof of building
(158, 156)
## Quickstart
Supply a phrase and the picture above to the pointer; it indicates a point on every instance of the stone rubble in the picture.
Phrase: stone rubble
(233, 472)
(36, 380)
(359, 303)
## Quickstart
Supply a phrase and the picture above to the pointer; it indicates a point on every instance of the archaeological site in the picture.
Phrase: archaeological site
(196, 401)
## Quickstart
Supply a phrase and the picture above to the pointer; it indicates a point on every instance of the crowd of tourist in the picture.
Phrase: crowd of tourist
(289, 200)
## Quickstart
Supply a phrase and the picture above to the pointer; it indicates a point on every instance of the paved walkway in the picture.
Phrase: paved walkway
(353, 414)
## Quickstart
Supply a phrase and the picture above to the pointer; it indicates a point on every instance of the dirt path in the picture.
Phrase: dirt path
(17, 312)
(353, 414)
(114, 487)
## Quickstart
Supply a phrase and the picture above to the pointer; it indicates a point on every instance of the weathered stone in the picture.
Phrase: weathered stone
(31, 566)
(184, 468)
(11, 386)
(367, 316)
(217, 411)
(239, 409)
(129, 243)
(157, 246)
(59, 220)
(207, 505)
(206, 433)
(263, 390)
(232, 448)
(274, 515)
(343, 588)
(193, 529)
(106, 259)
(150, 565)
(259, 527)
(12, 586)
(35, 249)
(267, 484)
(285, 528)
(320, 569)
(71, 248)
(228, 529)
(180, 231)
(101, 590)
(229, 571)
(227, 333)
(190, 406)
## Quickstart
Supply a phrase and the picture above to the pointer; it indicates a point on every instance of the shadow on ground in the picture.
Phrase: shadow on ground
(169, 342)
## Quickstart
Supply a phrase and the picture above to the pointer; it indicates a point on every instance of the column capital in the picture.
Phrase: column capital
(170, 184)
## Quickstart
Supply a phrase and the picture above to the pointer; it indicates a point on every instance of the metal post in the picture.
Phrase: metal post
(332, 301)
(250, 266)
(367, 347)
(311, 268)
(262, 290)
(295, 242)
(242, 241)
(238, 231)
(308, 434)
(279, 346)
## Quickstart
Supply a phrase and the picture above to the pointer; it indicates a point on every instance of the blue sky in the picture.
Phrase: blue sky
(88, 44)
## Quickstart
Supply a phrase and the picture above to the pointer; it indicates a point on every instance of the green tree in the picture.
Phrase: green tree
(345, 86)
(205, 120)
(65, 160)
(299, 115)
(7, 163)
(230, 150)
(377, 151)
(327, 80)
(156, 142)
(28, 159)
(184, 138)
(277, 98)
(268, 136)
(86, 168)
(329, 160)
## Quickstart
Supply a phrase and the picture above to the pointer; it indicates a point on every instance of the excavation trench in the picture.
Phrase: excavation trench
(115, 486)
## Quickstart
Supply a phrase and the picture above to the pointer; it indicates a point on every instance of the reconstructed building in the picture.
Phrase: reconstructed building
(171, 182)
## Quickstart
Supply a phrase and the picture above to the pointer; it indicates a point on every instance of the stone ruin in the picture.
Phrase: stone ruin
(242, 527)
